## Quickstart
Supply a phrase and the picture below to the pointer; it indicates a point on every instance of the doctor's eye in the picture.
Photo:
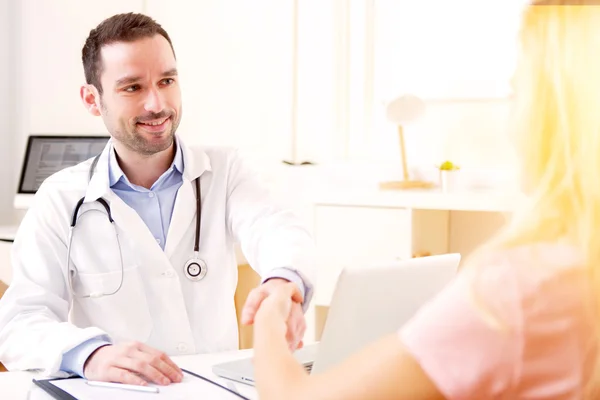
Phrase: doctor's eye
(168, 81)
(132, 88)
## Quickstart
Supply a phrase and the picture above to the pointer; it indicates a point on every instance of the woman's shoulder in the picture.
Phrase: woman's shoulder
(475, 338)
(531, 268)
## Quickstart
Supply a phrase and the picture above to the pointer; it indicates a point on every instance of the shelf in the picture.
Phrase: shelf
(434, 199)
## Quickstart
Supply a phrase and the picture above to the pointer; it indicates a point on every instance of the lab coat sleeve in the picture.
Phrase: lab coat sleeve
(289, 275)
(34, 327)
(271, 236)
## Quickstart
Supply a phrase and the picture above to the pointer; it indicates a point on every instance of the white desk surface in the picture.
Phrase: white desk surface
(18, 385)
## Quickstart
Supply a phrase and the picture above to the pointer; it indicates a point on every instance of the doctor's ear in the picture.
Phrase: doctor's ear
(91, 99)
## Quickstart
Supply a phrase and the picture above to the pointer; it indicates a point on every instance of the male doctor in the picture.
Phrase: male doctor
(126, 298)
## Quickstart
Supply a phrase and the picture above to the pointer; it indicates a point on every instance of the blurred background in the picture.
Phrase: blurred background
(304, 81)
(294, 80)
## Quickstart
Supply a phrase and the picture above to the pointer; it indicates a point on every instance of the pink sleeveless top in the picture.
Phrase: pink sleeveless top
(540, 349)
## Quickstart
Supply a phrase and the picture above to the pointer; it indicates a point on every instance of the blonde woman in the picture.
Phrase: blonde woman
(521, 320)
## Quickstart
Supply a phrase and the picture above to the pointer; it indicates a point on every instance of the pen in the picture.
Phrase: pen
(149, 389)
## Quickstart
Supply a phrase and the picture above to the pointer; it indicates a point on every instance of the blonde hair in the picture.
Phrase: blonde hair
(557, 133)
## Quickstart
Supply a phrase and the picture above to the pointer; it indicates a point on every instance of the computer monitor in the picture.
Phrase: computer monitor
(46, 155)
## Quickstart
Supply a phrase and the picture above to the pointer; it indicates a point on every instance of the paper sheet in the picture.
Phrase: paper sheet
(189, 388)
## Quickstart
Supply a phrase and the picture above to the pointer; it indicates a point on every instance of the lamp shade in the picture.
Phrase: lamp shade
(405, 109)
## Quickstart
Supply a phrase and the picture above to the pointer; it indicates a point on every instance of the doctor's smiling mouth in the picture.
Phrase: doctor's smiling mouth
(156, 122)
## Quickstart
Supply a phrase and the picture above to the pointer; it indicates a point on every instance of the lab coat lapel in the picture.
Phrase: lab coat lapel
(127, 219)
(136, 231)
(98, 185)
(195, 163)
(184, 214)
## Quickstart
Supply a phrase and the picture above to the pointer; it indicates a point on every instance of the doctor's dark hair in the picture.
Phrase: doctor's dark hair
(127, 27)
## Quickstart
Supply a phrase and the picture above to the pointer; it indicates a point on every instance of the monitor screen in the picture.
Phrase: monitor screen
(46, 155)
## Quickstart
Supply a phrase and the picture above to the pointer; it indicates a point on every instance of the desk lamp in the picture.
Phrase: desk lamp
(402, 111)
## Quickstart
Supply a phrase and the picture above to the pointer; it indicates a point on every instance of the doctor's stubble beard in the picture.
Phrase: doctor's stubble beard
(135, 141)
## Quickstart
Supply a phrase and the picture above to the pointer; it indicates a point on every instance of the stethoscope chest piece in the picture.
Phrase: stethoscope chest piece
(195, 269)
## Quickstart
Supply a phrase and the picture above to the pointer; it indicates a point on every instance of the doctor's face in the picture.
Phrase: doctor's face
(141, 100)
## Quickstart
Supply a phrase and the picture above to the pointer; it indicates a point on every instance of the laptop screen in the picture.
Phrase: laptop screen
(46, 155)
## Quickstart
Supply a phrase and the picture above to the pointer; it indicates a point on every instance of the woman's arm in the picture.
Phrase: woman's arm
(384, 370)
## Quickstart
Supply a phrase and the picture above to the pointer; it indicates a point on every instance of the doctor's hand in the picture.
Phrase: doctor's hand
(132, 363)
(294, 318)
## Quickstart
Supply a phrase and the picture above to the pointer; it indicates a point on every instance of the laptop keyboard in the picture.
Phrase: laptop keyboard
(308, 367)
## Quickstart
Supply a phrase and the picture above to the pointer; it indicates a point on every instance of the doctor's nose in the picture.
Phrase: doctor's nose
(154, 101)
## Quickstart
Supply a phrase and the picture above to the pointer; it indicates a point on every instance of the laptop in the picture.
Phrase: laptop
(47, 154)
(367, 304)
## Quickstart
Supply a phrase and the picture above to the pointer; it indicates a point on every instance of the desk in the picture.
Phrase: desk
(18, 385)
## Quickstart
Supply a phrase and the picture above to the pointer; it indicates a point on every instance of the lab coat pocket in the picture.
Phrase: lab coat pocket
(124, 315)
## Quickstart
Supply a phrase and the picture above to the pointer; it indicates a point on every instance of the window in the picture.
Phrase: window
(446, 52)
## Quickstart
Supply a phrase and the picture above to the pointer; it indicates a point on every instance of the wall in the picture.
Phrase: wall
(473, 134)
(7, 110)
(47, 37)
(234, 58)
(429, 49)
(235, 67)
(238, 89)
(50, 35)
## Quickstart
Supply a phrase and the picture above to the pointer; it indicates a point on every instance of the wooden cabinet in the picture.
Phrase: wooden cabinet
(357, 236)
(362, 229)
(365, 237)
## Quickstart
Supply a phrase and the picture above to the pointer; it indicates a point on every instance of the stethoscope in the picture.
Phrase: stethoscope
(195, 268)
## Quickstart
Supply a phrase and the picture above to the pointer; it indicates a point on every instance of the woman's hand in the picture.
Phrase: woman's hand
(277, 307)
(289, 302)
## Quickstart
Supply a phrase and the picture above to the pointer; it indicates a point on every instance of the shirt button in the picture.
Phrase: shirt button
(169, 273)
(151, 195)
(158, 241)
(182, 347)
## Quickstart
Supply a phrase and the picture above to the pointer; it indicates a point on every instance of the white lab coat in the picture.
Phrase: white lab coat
(157, 304)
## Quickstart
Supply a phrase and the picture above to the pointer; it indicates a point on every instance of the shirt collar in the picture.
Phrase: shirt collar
(115, 173)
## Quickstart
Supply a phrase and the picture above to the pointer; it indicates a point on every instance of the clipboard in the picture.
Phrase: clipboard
(53, 387)
(52, 390)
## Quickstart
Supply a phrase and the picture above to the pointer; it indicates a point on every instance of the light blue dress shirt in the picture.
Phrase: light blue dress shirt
(155, 207)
